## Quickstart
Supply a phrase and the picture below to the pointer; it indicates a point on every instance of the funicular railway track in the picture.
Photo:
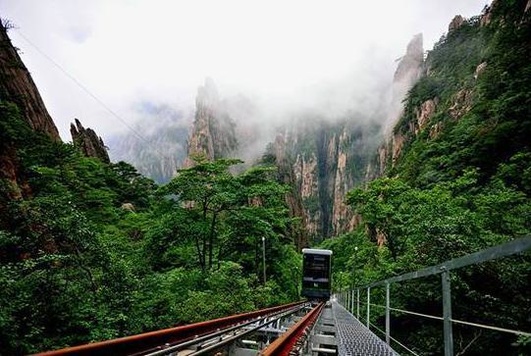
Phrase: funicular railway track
(273, 331)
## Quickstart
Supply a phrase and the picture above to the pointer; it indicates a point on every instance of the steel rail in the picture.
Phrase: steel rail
(284, 344)
(233, 338)
(136, 344)
(223, 341)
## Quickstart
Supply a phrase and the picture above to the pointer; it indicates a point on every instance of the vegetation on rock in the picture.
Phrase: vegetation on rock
(461, 184)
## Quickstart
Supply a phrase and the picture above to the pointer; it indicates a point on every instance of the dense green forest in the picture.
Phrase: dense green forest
(77, 265)
(92, 251)
(462, 183)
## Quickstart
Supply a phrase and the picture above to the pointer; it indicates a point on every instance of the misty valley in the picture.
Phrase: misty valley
(196, 213)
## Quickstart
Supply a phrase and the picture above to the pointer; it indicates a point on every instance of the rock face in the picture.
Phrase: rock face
(457, 22)
(320, 158)
(17, 89)
(17, 85)
(213, 134)
(322, 161)
(293, 197)
(408, 71)
(89, 142)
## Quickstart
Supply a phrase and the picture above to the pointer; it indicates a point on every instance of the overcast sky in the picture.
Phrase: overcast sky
(130, 52)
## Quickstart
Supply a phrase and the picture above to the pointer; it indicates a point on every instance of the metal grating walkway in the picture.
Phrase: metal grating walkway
(353, 338)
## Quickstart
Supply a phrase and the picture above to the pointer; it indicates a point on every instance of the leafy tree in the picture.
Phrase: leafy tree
(206, 191)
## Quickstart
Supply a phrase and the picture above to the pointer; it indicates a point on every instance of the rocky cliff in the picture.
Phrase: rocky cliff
(88, 142)
(19, 100)
(17, 86)
(320, 157)
(330, 157)
(22, 114)
(325, 159)
(409, 70)
(213, 134)
(467, 101)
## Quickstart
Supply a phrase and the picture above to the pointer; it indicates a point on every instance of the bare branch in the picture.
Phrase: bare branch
(476, 336)
(8, 24)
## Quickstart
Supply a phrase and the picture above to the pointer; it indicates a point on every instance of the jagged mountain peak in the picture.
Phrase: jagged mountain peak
(88, 142)
(213, 133)
(207, 94)
(410, 64)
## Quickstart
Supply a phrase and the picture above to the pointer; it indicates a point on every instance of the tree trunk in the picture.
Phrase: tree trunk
(211, 239)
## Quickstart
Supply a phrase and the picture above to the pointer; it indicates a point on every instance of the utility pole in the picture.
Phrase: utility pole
(263, 258)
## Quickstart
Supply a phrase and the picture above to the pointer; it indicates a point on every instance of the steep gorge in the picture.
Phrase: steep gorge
(319, 156)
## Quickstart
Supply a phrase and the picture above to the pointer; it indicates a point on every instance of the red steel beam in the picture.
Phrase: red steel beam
(142, 342)
(283, 345)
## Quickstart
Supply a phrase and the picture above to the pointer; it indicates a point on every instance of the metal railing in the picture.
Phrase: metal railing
(351, 299)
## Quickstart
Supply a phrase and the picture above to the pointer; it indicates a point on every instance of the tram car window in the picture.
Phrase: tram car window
(316, 273)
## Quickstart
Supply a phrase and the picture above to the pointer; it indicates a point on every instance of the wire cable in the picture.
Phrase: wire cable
(517, 332)
(395, 340)
(87, 91)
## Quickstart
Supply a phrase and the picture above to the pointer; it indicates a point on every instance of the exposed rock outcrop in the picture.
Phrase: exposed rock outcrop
(408, 71)
(327, 159)
(213, 134)
(456, 22)
(435, 130)
(486, 15)
(397, 143)
(480, 69)
(293, 197)
(462, 103)
(424, 113)
(306, 175)
(17, 86)
(341, 213)
(88, 142)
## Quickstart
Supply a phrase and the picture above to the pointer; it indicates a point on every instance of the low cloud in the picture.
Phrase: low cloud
(331, 57)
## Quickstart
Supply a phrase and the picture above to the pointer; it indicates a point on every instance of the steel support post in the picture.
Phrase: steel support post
(387, 316)
(368, 306)
(264, 259)
(447, 314)
(352, 302)
(358, 303)
(346, 300)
